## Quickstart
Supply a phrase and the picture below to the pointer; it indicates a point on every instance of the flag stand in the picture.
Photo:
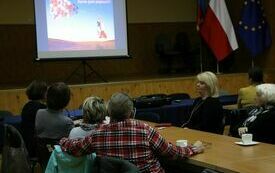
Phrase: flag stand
(218, 68)
(201, 55)
(252, 62)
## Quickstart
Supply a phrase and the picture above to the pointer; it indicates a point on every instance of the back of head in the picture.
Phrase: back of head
(255, 74)
(211, 80)
(266, 92)
(58, 96)
(36, 90)
(94, 110)
(120, 107)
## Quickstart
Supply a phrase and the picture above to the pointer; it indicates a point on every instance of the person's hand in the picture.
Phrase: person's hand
(242, 130)
(198, 147)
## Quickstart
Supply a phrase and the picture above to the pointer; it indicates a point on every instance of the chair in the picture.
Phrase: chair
(148, 116)
(2, 118)
(183, 47)
(176, 55)
(236, 117)
(166, 53)
(15, 157)
(4, 113)
(66, 163)
(114, 165)
(228, 99)
(182, 43)
(44, 148)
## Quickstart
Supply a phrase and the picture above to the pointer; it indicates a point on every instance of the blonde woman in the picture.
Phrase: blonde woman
(94, 112)
(206, 114)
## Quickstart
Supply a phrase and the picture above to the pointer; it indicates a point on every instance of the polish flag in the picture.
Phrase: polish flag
(217, 30)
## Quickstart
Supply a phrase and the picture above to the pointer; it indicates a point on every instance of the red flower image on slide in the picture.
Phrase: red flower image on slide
(62, 8)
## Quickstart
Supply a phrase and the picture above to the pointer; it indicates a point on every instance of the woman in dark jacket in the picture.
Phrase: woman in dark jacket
(207, 113)
(261, 120)
(36, 93)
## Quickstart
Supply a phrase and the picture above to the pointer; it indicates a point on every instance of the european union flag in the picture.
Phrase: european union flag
(202, 6)
(253, 27)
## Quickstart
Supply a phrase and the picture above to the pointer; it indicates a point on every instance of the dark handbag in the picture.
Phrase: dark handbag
(154, 100)
(15, 156)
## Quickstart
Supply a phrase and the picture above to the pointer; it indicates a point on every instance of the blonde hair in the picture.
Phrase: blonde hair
(211, 80)
(94, 110)
(266, 93)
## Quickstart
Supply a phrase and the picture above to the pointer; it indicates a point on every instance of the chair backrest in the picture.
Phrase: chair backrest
(182, 43)
(163, 43)
(148, 116)
(228, 99)
(4, 113)
(237, 117)
(114, 165)
(65, 163)
(44, 148)
(15, 157)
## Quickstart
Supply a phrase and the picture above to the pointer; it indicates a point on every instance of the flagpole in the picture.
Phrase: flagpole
(201, 55)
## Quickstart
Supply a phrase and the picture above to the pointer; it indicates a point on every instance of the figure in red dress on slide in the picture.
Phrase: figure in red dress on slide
(101, 30)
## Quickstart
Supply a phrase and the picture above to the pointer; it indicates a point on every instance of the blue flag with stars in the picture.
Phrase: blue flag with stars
(202, 6)
(253, 27)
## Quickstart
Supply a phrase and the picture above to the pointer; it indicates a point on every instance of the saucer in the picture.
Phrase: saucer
(247, 144)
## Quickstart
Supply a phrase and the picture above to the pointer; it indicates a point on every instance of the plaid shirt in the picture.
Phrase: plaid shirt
(131, 140)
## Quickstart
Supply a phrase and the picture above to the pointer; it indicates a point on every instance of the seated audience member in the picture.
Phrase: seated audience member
(51, 122)
(207, 112)
(261, 120)
(247, 95)
(36, 93)
(94, 112)
(128, 139)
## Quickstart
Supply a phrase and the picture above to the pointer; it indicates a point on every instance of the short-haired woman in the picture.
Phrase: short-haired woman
(94, 112)
(36, 93)
(51, 122)
(261, 120)
(207, 113)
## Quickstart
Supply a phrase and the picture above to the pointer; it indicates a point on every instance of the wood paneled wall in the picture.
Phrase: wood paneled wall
(14, 99)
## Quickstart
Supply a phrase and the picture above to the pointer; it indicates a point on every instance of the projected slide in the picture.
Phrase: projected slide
(83, 25)
(81, 28)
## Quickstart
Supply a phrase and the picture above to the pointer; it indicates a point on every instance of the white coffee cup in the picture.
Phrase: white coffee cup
(247, 138)
(182, 143)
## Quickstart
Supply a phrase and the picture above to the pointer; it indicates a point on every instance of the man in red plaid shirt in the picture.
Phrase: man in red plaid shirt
(128, 139)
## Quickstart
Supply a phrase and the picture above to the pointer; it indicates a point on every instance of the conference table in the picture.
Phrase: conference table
(222, 154)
